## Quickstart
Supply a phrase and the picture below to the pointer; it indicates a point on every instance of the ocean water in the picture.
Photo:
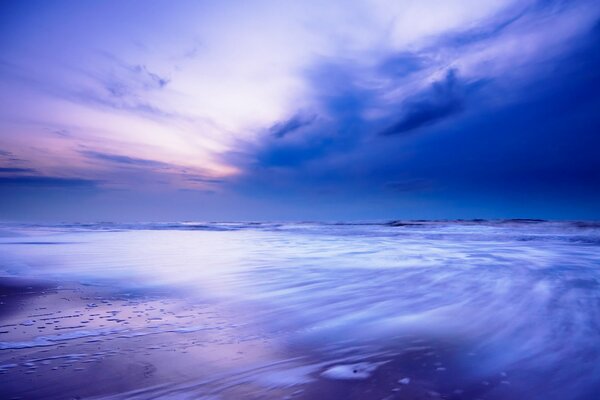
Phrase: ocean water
(466, 309)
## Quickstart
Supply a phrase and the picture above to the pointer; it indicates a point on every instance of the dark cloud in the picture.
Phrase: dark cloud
(499, 137)
(445, 99)
(6, 154)
(341, 96)
(297, 122)
(124, 160)
(403, 64)
(16, 170)
(46, 181)
(203, 179)
(9, 157)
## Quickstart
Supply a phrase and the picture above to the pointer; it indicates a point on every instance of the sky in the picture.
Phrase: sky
(286, 110)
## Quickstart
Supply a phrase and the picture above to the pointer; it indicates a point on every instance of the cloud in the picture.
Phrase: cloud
(107, 85)
(203, 179)
(15, 170)
(453, 83)
(429, 76)
(403, 64)
(122, 79)
(338, 101)
(125, 170)
(491, 30)
(445, 99)
(124, 160)
(9, 157)
(61, 132)
(297, 122)
(47, 181)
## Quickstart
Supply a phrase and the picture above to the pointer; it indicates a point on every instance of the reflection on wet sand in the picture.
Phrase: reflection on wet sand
(65, 342)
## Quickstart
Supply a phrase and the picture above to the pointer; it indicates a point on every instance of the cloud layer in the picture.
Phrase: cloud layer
(369, 100)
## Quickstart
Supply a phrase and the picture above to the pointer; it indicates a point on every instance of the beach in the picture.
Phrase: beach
(403, 310)
(89, 342)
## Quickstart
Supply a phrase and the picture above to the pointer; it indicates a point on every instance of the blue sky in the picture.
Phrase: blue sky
(157, 110)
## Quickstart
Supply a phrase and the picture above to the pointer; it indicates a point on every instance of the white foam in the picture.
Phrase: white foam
(361, 370)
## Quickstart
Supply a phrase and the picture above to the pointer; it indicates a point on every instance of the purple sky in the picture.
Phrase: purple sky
(154, 110)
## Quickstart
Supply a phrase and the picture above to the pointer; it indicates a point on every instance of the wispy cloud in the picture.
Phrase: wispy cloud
(46, 181)
(293, 124)
(123, 160)
(8, 157)
(16, 170)
(203, 179)
(349, 96)
(123, 89)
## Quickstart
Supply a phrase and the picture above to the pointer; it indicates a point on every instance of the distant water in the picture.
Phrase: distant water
(514, 303)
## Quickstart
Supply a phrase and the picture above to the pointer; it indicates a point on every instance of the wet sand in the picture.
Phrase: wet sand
(75, 341)
(72, 341)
